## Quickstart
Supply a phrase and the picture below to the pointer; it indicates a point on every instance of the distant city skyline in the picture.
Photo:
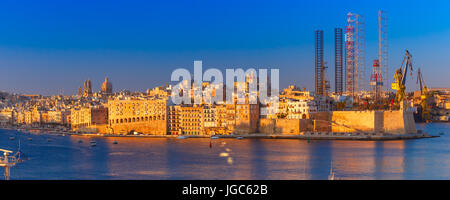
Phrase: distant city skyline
(50, 47)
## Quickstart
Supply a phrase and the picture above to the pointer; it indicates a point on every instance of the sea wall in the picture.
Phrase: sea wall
(156, 127)
(354, 121)
(287, 126)
(398, 122)
(392, 122)
(321, 121)
(284, 126)
(267, 126)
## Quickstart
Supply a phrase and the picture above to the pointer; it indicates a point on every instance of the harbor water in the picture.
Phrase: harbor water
(52, 157)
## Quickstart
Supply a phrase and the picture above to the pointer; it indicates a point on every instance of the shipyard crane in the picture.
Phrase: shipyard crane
(424, 95)
(400, 80)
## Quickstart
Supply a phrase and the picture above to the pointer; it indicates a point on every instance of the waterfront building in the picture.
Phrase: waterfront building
(300, 109)
(36, 117)
(191, 120)
(221, 113)
(241, 118)
(58, 116)
(247, 116)
(209, 116)
(292, 99)
(89, 119)
(7, 117)
(173, 120)
(44, 118)
(20, 118)
(147, 116)
(210, 119)
(28, 117)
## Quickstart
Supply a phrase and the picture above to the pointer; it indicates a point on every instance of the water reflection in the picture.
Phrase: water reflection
(159, 158)
(137, 158)
(353, 159)
(86, 161)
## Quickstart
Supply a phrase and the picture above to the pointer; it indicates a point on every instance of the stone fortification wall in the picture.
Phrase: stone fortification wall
(393, 122)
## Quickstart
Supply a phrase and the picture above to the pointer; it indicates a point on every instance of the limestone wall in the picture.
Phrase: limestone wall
(267, 126)
(287, 126)
(398, 122)
(410, 124)
(284, 126)
(394, 122)
(155, 127)
(306, 125)
(321, 121)
(353, 121)
(379, 121)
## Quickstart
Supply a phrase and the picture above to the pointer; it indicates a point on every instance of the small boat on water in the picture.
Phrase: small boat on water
(240, 138)
(12, 138)
(93, 143)
(224, 154)
(182, 137)
(214, 137)
(115, 142)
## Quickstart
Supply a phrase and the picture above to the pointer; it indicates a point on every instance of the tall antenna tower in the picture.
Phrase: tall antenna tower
(319, 63)
(383, 47)
(349, 54)
(339, 88)
(360, 53)
(354, 54)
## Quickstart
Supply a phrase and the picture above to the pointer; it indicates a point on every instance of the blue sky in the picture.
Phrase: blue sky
(50, 47)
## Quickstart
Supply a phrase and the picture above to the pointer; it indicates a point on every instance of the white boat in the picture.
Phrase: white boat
(182, 137)
(224, 154)
(214, 137)
(136, 133)
(240, 138)
(11, 138)
(93, 143)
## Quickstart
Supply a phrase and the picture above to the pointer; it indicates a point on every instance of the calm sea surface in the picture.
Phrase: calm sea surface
(64, 157)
